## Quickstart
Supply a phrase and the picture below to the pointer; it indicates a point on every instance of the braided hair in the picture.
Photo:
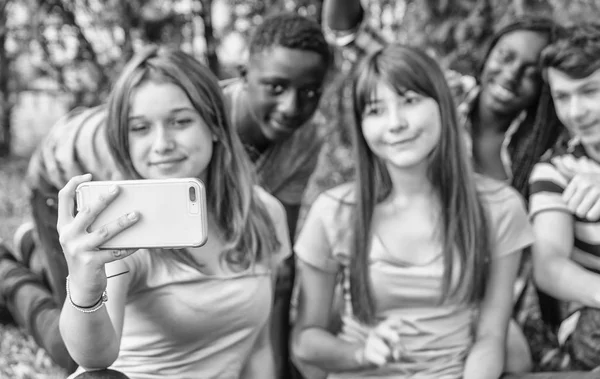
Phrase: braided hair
(541, 128)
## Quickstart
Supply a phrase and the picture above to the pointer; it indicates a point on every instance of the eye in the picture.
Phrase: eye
(274, 88)
(503, 55)
(138, 127)
(310, 93)
(373, 110)
(182, 122)
(532, 73)
(410, 98)
(590, 91)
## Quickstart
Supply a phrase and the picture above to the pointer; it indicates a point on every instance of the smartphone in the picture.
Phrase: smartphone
(172, 212)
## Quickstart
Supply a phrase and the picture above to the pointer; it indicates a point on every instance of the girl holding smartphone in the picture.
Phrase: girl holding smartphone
(197, 312)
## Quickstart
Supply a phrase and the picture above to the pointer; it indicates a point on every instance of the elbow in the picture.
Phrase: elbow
(300, 352)
(87, 357)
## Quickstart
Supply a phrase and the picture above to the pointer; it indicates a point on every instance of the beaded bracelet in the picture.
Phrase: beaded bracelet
(99, 304)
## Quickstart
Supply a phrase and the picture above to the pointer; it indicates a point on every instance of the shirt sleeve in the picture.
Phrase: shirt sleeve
(277, 213)
(313, 245)
(546, 186)
(510, 230)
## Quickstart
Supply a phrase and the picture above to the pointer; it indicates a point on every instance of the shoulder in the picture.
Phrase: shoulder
(270, 202)
(502, 203)
(507, 220)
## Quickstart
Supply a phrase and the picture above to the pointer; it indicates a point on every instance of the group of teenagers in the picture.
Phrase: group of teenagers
(407, 271)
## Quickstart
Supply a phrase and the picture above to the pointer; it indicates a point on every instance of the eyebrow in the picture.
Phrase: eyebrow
(172, 111)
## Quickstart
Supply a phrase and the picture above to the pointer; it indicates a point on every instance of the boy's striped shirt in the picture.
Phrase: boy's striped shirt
(547, 185)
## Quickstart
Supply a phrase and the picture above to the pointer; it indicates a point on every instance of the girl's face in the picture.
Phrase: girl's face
(401, 129)
(510, 80)
(167, 136)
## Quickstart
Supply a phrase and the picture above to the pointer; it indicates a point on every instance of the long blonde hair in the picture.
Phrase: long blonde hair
(463, 223)
(242, 219)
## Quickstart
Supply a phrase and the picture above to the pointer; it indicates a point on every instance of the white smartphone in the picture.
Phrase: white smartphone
(172, 212)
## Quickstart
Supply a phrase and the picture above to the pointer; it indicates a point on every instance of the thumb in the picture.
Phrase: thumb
(564, 167)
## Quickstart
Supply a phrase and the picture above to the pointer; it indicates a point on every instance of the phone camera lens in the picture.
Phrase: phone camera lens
(192, 194)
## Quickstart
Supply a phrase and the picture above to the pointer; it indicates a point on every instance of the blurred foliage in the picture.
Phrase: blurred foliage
(78, 46)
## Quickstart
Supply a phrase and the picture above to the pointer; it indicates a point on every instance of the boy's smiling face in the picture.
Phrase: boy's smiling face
(284, 88)
(577, 103)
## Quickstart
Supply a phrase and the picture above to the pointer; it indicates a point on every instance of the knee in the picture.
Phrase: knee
(102, 374)
(518, 355)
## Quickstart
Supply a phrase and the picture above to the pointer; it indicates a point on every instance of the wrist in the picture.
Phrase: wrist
(79, 300)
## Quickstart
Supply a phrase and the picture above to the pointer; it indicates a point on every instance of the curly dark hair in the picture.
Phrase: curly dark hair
(291, 30)
(576, 51)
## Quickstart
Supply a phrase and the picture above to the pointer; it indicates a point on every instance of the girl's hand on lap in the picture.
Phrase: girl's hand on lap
(84, 259)
(381, 344)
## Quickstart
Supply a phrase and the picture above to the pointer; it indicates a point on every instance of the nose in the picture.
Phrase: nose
(576, 109)
(288, 103)
(398, 120)
(511, 74)
(163, 141)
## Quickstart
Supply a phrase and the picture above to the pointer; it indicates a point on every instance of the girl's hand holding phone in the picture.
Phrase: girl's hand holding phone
(84, 260)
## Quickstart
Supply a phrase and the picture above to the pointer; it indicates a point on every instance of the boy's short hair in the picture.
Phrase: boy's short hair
(290, 30)
(575, 51)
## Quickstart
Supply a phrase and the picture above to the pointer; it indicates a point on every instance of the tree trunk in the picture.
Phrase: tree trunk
(5, 98)
(211, 43)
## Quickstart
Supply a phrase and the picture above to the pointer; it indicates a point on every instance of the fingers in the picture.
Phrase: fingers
(377, 351)
(383, 343)
(564, 166)
(106, 232)
(582, 196)
(114, 255)
(66, 199)
(594, 213)
(87, 215)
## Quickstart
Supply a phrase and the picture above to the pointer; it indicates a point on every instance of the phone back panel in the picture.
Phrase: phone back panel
(171, 216)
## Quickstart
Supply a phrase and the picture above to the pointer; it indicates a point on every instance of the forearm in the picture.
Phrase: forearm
(486, 359)
(564, 279)
(90, 338)
(320, 348)
(342, 15)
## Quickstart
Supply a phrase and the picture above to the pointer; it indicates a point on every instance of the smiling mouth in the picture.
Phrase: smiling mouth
(587, 128)
(404, 141)
(283, 127)
(167, 162)
(501, 93)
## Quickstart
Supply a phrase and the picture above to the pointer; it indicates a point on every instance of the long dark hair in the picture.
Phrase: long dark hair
(541, 128)
(463, 226)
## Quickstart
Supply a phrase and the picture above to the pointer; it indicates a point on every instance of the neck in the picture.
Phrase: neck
(247, 125)
(409, 182)
(488, 120)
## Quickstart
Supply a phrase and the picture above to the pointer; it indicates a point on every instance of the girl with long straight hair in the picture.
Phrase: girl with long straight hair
(156, 313)
(427, 251)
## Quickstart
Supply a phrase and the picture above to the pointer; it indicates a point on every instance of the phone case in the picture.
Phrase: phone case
(172, 212)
